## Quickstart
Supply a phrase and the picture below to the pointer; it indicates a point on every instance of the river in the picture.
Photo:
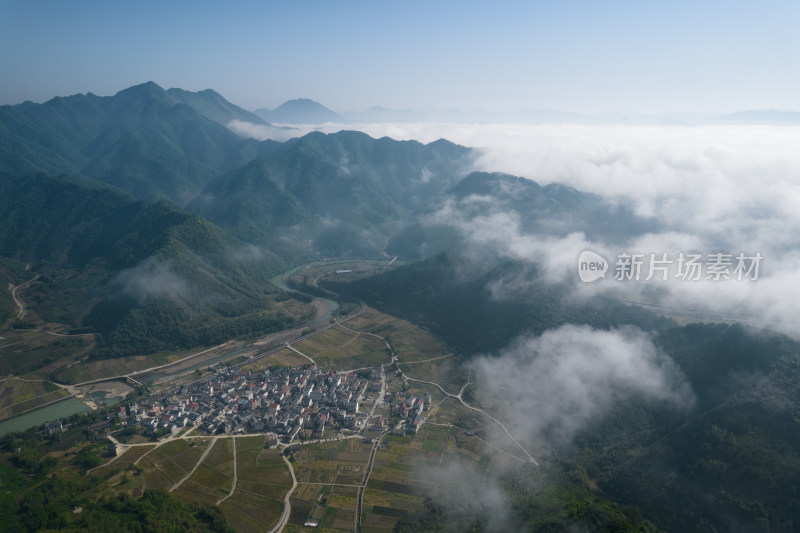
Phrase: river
(278, 282)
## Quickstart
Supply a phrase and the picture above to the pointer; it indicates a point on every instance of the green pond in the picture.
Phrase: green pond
(48, 413)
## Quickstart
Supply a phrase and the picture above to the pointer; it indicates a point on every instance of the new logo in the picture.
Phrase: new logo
(591, 266)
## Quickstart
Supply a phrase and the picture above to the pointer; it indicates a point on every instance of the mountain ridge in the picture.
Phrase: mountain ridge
(143, 139)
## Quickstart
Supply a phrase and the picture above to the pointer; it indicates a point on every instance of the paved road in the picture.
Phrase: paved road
(23, 309)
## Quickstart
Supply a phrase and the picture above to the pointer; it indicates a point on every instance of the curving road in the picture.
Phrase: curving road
(287, 506)
(468, 406)
(23, 308)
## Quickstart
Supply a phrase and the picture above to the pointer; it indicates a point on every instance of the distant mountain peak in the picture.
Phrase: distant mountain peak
(300, 111)
(303, 101)
(142, 88)
(144, 92)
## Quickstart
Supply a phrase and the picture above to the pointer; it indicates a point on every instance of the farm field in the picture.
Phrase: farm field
(410, 342)
(19, 395)
(35, 354)
(341, 349)
(262, 478)
(444, 371)
(248, 481)
(282, 358)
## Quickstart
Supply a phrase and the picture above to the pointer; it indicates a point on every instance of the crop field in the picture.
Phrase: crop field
(446, 372)
(213, 478)
(341, 462)
(88, 371)
(406, 470)
(263, 480)
(13, 391)
(18, 396)
(333, 505)
(159, 469)
(344, 350)
(410, 342)
(258, 465)
(247, 511)
(37, 355)
(114, 367)
(295, 308)
(329, 474)
(123, 462)
(187, 457)
(281, 358)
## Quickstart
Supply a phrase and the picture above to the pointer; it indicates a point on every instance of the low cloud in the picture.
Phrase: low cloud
(546, 389)
(497, 234)
(470, 496)
(250, 253)
(151, 277)
(710, 188)
(263, 132)
(552, 386)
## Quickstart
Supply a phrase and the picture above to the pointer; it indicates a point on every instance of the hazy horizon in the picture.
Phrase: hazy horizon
(622, 57)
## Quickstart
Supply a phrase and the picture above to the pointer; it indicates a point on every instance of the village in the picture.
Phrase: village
(285, 404)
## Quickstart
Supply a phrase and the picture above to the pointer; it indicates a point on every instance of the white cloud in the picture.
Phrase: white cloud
(552, 386)
(711, 188)
(150, 277)
(263, 132)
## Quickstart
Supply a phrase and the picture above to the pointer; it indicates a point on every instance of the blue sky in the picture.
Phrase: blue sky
(582, 56)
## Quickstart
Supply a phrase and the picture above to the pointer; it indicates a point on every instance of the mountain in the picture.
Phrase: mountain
(300, 111)
(342, 194)
(150, 224)
(726, 461)
(552, 210)
(144, 140)
(212, 105)
(454, 298)
(346, 191)
(147, 277)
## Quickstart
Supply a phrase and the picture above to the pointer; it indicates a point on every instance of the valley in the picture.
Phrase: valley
(347, 478)
(338, 332)
(355, 478)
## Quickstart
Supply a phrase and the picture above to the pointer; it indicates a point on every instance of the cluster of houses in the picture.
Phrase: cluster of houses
(409, 411)
(289, 403)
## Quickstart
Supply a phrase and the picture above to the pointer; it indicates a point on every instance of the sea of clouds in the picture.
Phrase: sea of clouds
(710, 188)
